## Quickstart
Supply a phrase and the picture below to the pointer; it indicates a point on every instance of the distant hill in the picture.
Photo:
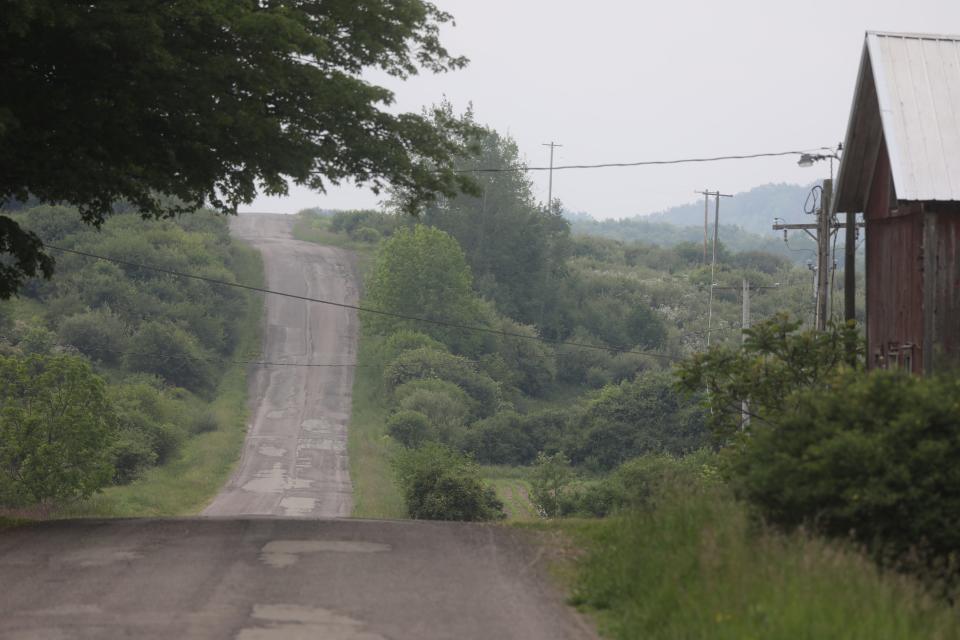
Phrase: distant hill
(745, 223)
(752, 210)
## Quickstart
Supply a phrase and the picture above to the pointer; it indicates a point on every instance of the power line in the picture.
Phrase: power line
(342, 305)
(641, 163)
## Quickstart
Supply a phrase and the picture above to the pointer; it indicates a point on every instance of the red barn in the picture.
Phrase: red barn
(901, 168)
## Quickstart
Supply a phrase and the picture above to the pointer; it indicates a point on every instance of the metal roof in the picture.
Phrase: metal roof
(908, 97)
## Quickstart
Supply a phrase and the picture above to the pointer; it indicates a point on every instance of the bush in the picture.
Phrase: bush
(99, 335)
(647, 415)
(447, 412)
(424, 363)
(873, 456)
(409, 428)
(366, 234)
(440, 484)
(408, 340)
(56, 430)
(171, 353)
(501, 439)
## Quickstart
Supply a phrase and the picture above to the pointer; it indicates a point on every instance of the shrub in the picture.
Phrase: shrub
(873, 456)
(423, 363)
(501, 439)
(99, 335)
(409, 428)
(550, 482)
(407, 340)
(171, 353)
(366, 234)
(440, 484)
(446, 412)
(647, 415)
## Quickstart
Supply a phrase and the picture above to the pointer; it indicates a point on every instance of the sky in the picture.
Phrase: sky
(635, 80)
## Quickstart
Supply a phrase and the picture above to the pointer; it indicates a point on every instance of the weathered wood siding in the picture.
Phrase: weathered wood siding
(894, 244)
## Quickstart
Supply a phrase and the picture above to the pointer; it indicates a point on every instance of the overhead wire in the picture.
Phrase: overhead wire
(343, 305)
(641, 163)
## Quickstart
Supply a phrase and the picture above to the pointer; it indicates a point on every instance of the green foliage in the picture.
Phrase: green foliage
(408, 340)
(516, 248)
(693, 565)
(872, 456)
(776, 360)
(647, 415)
(409, 428)
(280, 93)
(166, 350)
(440, 484)
(425, 363)
(530, 365)
(372, 224)
(56, 430)
(550, 481)
(99, 335)
(37, 340)
(421, 272)
(366, 234)
(447, 408)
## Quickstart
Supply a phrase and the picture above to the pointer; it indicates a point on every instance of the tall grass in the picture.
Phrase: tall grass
(375, 492)
(186, 484)
(693, 566)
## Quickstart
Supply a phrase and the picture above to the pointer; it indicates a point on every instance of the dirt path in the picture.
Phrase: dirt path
(295, 457)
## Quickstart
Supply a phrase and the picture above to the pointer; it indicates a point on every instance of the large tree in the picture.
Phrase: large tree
(171, 105)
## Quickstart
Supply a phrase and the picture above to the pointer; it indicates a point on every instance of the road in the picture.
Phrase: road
(274, 557)
(273, 579)
(294, 460)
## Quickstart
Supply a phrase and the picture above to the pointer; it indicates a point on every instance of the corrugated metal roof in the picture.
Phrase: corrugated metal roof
(908, 90)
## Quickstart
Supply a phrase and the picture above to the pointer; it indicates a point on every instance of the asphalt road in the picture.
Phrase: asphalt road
(272, 579)
(294, 460)
(297, 569)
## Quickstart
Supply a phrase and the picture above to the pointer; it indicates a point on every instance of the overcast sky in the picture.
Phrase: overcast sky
(631, 80)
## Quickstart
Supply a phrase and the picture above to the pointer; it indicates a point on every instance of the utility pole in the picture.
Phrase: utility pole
(744, 325)
(552, 145)
(824, 232)
(713, 263)
(706, 213)
(821, 232)
(849, 269)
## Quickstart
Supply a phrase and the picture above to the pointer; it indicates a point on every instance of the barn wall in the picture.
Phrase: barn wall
(894, 276)
(942, 285)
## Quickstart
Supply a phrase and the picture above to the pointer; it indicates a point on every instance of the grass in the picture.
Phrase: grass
(513, 489)
(694, 567)
(316, 229)
(375, 492)
(185, 485)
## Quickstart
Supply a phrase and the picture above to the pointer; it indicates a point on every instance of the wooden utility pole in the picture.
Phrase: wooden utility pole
(824, 228)
(821, 232)
(552, 145)
(744, 325)
(713, 263)
(849, 269)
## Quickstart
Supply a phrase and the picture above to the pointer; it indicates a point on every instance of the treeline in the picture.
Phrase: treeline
(149, 346)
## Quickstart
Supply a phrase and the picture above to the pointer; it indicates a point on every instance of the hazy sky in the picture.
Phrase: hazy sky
(621, 81)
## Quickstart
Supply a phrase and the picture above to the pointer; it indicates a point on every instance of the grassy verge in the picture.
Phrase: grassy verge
(694, 567)
(375, 493)
(317, 229)
(513, 489)
(186, 484)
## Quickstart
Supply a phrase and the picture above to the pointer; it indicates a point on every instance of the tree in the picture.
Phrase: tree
(776, 360)
(56, 430)
(422, 272)
(173, 105)
(515, 247)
